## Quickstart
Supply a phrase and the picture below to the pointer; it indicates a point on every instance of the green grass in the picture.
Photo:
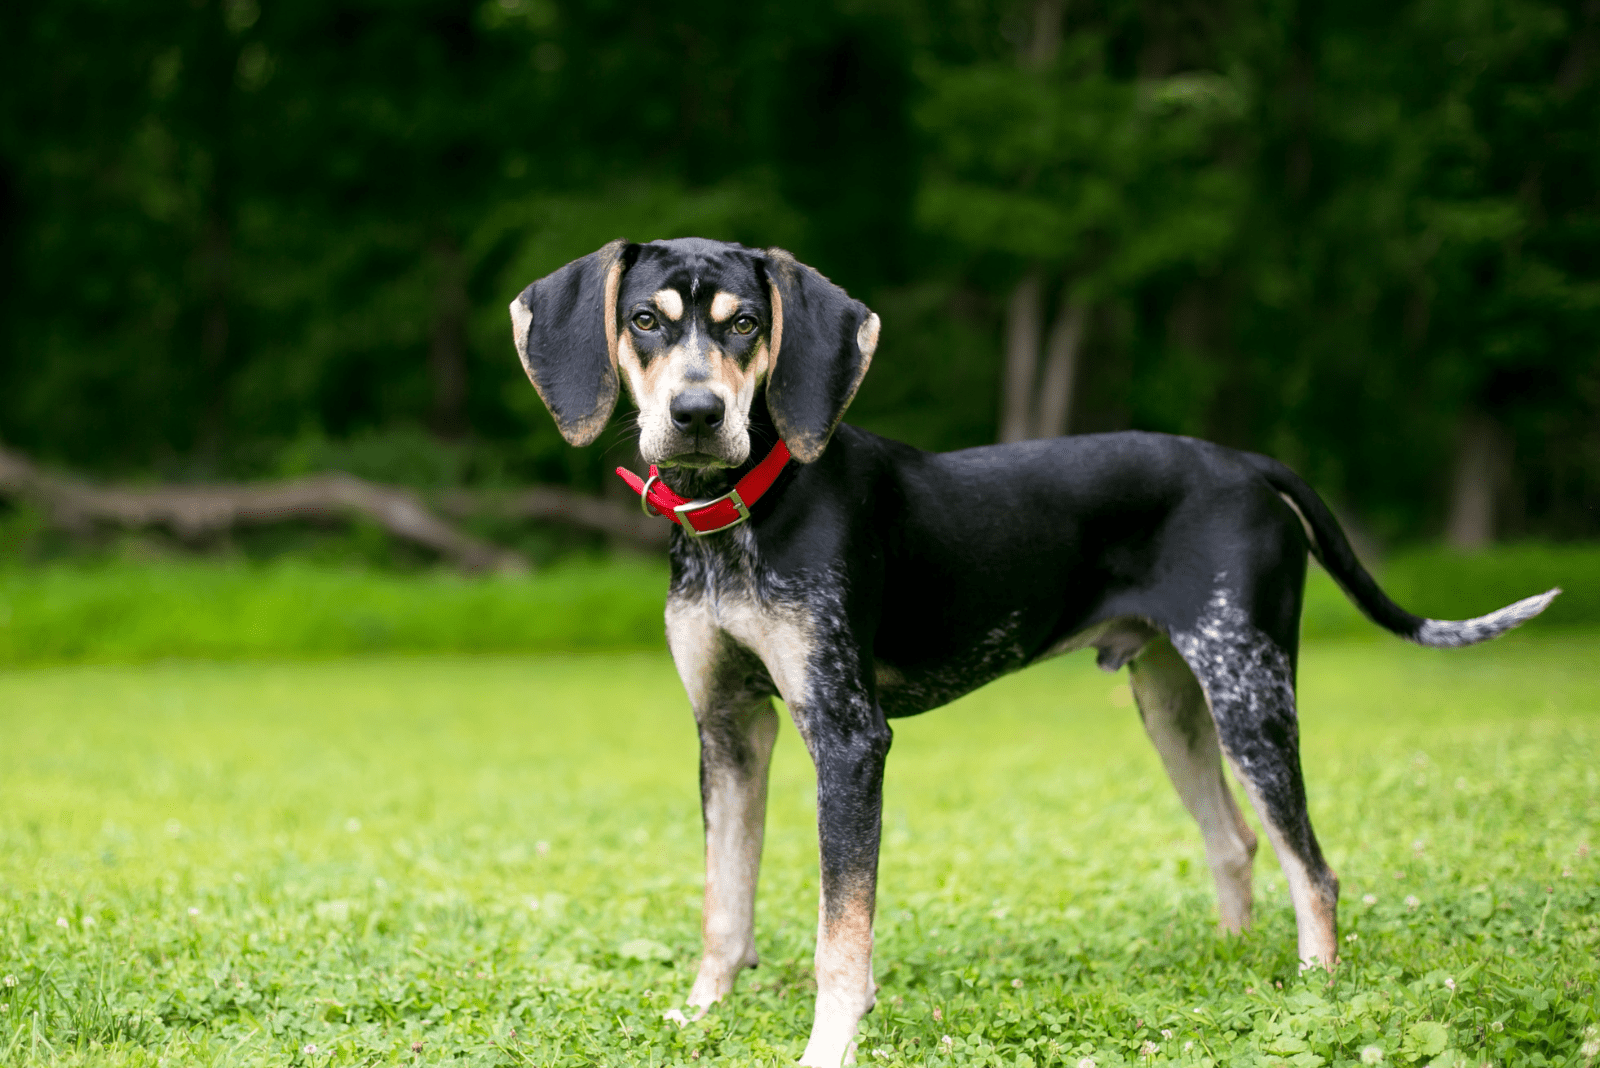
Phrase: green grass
(124, 611)
(117, 611)
(499, 858)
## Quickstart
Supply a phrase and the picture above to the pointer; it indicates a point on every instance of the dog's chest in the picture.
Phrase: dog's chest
(721, 612)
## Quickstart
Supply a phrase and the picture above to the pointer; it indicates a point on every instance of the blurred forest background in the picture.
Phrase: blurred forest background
(249, 239)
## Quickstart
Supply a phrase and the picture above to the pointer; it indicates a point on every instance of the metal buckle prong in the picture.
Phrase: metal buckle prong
(691, 506)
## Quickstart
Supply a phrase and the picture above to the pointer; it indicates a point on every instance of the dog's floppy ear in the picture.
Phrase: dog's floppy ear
(822, 342)
(565, 329)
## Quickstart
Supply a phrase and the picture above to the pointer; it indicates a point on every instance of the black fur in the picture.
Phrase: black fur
(819, 364)
(566, 350)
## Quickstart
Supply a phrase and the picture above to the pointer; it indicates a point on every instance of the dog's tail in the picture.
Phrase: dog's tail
(1332, 550)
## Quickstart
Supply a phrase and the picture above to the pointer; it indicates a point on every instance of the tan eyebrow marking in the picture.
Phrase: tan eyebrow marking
(670, 303)
(723, 305)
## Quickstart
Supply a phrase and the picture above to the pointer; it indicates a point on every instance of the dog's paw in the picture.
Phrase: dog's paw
(814, 1057)
(716, 979)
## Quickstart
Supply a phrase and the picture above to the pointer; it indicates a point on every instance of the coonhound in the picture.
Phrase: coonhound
(861, 580)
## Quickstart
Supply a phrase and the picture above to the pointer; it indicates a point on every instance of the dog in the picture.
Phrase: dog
(861, 580)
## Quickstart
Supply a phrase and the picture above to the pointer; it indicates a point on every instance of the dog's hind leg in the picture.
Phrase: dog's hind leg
(1249, 684)
(735, 754)
(1173, 708)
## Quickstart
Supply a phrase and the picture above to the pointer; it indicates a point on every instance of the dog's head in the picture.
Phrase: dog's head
(697, 328)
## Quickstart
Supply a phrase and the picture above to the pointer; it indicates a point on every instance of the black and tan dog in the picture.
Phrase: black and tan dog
(873, 580)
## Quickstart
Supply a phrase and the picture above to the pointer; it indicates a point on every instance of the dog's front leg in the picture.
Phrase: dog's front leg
(849, 751)
(735, 753)
(731, 694)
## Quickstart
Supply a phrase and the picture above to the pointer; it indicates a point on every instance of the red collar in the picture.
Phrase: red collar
(699, 518)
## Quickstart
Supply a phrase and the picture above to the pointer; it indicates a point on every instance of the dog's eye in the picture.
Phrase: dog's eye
(644, 321)
(744, 324)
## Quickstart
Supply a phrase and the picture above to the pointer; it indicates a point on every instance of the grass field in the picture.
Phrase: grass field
(496, 861)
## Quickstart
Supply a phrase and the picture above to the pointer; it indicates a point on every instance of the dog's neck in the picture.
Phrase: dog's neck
(700, 483)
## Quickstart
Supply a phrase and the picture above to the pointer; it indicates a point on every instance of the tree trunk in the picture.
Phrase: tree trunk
(1045, 40)
(1483, 461)
(215, 269)
(1061, 368)
(1024, 324)
(1025, 310)
(447, 343)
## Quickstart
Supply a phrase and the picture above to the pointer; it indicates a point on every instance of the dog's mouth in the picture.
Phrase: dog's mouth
(693, 459)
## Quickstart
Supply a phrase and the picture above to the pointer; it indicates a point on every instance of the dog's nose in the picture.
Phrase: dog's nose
(695, 410)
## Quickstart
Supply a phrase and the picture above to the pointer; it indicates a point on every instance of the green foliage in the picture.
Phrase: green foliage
(1106, 178)
(1334, 233)
(499, 859)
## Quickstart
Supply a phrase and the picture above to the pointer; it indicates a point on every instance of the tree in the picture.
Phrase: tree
(1066, 173)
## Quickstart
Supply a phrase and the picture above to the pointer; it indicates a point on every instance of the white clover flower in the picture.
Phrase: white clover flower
(61, 921)
(1351, 937)
(1149, 1049)
(1087, 1062)
(1369, 899)
(193, 912)
(1187, 1046)
(1591, 1042)
(1449, 984)
(1165, 1033)
(311, 1049)
(948, 1043)
(1412, 902)
(1016, 984)
(1372, 1055)
(11, 980)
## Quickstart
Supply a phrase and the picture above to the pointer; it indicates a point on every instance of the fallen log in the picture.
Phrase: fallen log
(195, 511)
(554, 504)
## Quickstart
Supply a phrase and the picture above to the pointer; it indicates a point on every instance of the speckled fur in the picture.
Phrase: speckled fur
(1453, 633)
(1248, 681)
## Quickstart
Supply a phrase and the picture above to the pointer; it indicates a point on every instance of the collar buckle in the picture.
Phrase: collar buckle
(732, 496)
